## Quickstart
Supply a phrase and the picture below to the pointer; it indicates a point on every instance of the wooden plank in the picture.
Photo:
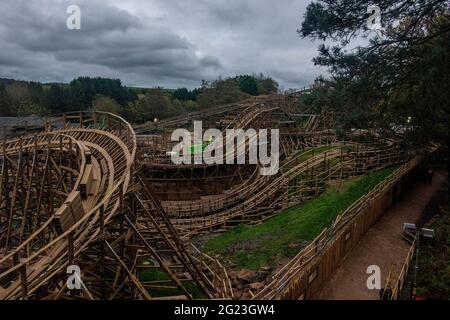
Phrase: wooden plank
(70, 212)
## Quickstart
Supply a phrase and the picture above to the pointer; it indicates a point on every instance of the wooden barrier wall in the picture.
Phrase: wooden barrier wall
(323, 267)
(328, 262)
(305, 275)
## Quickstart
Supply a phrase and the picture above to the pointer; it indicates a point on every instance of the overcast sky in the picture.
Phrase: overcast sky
(170, 43)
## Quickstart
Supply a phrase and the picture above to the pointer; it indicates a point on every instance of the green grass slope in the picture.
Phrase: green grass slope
(282, 237)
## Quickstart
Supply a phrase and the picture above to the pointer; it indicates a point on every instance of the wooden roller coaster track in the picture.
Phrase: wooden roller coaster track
(64, 199)
(79, 193)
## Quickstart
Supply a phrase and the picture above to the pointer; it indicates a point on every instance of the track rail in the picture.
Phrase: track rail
(75, 194)
(111, 144)
(274, 191)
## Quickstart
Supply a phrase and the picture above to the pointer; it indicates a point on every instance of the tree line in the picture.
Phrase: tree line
(398, 80)
(138, 105)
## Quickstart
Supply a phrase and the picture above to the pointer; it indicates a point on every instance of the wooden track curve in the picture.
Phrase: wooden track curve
(110, 143)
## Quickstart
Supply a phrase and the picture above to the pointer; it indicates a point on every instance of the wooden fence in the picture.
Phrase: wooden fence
(305, 275)
(397, 286)
(214, 274)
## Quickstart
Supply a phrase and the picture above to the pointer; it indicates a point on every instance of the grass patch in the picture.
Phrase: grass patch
(158, 275)
(281, 237)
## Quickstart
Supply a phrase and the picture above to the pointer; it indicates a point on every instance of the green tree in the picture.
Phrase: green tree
(248, 84)
(182, 94)
(267, 85)
(191, 106)
(25, 109)
(25, 98)
(5, 102)
(221, 92)
(400, 78)
(55, 99)
(106, 104)
(154, 104)
(82, 91)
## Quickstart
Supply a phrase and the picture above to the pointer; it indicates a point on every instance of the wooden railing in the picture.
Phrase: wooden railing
(397, 286)
(33, 267)
(214, 274)
(270, 189)
(304, 275)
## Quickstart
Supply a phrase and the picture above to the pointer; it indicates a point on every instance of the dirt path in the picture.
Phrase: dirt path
(382, 246)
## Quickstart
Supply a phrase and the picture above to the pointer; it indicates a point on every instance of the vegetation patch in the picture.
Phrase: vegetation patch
(433, 277)
(281, 237)
(157, 276)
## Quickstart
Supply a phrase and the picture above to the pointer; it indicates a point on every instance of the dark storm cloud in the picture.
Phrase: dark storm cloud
(159, 42)
(209, 61)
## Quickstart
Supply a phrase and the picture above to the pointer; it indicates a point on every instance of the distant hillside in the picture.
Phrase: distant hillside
(137, 105)
(6, 81)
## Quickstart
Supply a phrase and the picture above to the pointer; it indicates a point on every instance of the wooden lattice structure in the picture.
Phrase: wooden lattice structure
(88, 191)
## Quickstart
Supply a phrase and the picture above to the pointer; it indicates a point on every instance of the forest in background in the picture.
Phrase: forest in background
(138, 105)
(397, 80)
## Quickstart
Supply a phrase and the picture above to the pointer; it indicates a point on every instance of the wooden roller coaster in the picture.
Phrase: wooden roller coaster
(88, 191)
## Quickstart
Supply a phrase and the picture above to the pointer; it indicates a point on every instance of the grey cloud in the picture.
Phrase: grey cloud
(210, 62)
(158, 42)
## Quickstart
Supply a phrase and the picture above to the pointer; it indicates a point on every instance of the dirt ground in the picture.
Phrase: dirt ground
(382, 246)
